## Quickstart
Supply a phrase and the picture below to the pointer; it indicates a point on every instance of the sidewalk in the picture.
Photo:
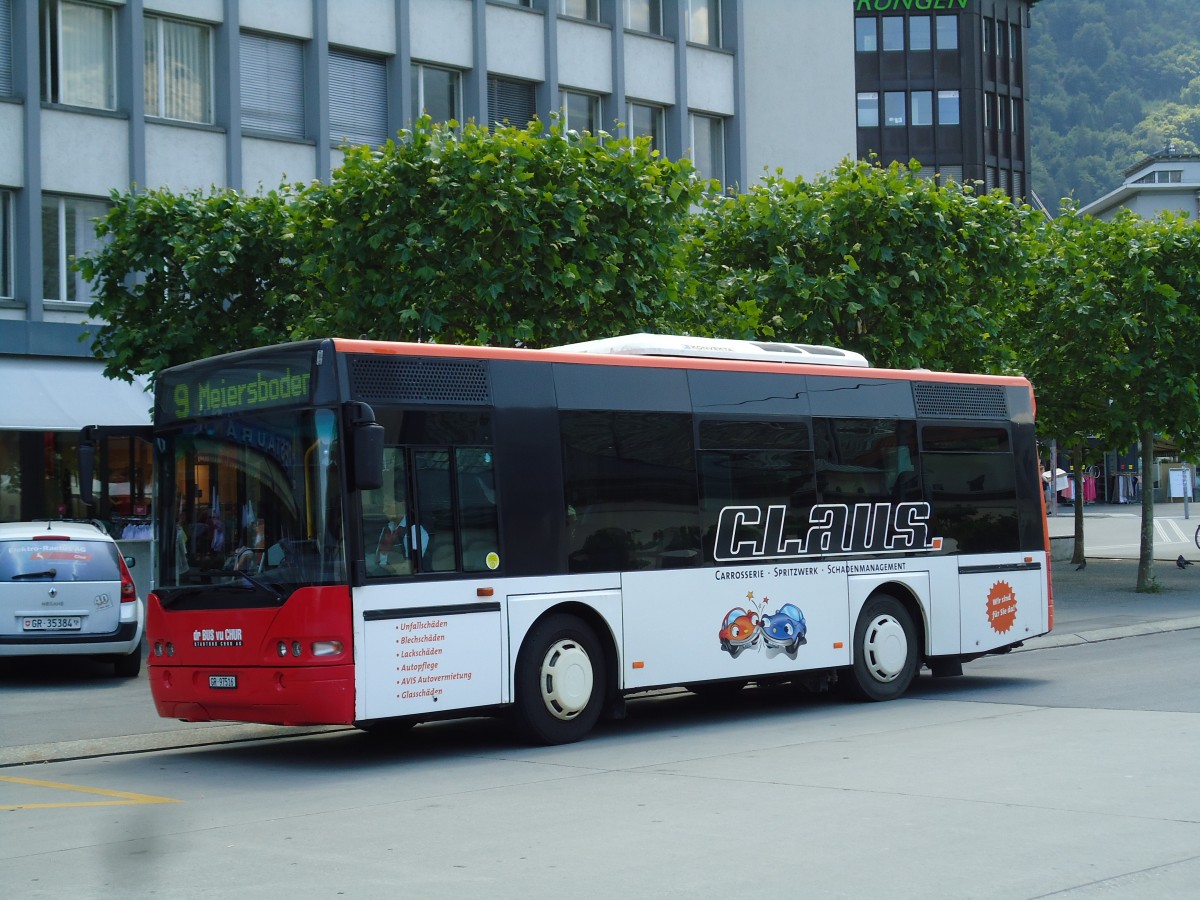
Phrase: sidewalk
(1099, 603)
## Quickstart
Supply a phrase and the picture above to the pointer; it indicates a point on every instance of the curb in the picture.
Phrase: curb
(121, 745)
(1072, 639)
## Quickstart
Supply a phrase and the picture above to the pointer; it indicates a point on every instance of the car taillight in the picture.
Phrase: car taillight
(128, 589)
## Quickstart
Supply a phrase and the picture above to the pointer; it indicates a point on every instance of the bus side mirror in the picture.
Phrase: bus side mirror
(366, 444)
(87, 464)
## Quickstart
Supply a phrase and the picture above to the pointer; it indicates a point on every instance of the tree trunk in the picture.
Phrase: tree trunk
(1145, 574)
(1077, 467)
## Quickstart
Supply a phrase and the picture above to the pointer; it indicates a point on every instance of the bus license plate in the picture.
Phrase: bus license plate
(52, 623)
(222, 681)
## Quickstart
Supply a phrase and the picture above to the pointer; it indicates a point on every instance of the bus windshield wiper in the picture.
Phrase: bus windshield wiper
(49, 573)
(259, 583)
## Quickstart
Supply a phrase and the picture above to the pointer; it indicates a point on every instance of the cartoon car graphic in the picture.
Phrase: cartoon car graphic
(784, 629)
(739, 631)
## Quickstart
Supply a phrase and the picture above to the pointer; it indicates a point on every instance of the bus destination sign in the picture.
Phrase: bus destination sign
(282, 381)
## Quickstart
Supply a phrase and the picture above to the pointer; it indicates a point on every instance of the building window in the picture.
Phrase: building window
(510, 102)
(986, 31)
(6, 250)
(516, 2)
(357, 99)
(704, 22)
(78, 54)
(580, 9)
(436, 93)
(1014, 36)
(708, 146)
(178, 70)
(918, 33)
(947, 111)
(6, 85)
(68, 232)
(581, 112)
(644, 15)
(866, 35)
(922, 107)
(893, 109)
(893, 32)
(646, 121)
(272, 85)
(868, 110)
(947, 32)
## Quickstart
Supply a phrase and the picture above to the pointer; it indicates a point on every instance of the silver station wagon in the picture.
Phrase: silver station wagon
(65, 589)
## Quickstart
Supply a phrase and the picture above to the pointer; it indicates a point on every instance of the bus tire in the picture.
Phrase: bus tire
(886, 655)
(560, 680)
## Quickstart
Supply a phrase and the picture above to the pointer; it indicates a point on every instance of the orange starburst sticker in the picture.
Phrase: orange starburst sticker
(1001, 607)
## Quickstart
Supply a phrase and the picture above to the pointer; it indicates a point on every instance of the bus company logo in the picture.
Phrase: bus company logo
(216, 637)
(783, 631)
(747, 533)
(1001, 607)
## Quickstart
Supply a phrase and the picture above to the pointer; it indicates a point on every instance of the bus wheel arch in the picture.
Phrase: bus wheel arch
(888, 645)
(562, 680)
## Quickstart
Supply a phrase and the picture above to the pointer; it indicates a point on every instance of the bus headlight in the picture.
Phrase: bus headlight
(282, 648)
(326, 648)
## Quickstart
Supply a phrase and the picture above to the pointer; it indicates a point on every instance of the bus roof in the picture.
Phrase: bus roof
(712, 360)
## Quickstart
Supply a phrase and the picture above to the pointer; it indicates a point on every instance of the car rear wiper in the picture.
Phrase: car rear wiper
(49, 573)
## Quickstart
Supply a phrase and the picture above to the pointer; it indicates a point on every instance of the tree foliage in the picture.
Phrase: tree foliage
(1114, 335)
(472, 236)
(498, 236)
(878, 260)
(181, 276)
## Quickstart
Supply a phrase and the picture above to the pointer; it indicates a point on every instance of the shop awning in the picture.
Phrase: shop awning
(49, 394)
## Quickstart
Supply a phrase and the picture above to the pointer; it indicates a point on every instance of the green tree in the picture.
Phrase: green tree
(512, 236)
(182, 276)
(1116, 330)
(878, 260)
(505, 236)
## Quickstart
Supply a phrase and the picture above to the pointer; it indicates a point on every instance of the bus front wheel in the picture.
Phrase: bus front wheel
(560, 680)
(886, 655)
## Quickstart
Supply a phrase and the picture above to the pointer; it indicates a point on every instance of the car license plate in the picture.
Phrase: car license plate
(52, 623)
(222, 681)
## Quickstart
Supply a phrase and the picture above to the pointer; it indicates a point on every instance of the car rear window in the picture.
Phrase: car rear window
(66, 560)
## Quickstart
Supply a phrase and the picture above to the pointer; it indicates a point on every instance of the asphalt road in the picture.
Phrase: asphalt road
(1064, 772)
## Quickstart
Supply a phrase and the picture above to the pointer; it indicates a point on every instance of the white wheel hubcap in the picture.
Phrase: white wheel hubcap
(566, 679)
(885, 648)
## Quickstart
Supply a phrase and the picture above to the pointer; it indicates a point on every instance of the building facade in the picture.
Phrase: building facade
(945, 82)
(1167, 181)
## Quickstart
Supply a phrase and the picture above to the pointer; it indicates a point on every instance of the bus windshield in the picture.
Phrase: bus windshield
(255, 505)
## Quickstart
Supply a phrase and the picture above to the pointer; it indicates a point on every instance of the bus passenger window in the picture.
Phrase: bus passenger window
(392, 538)
(631, 482)
(478, 529)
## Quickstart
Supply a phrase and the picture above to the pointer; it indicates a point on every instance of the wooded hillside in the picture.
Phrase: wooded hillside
(1111, 81)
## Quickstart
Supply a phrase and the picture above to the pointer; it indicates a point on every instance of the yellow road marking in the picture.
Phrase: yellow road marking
(117, 798)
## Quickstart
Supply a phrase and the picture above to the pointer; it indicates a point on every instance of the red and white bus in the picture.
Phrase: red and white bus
(381, 533)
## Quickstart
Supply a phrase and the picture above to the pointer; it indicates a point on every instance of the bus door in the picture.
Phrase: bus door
(429, 626)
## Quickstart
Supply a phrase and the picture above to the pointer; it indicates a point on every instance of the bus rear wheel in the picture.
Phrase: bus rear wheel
(886, 655)
(560, 680)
